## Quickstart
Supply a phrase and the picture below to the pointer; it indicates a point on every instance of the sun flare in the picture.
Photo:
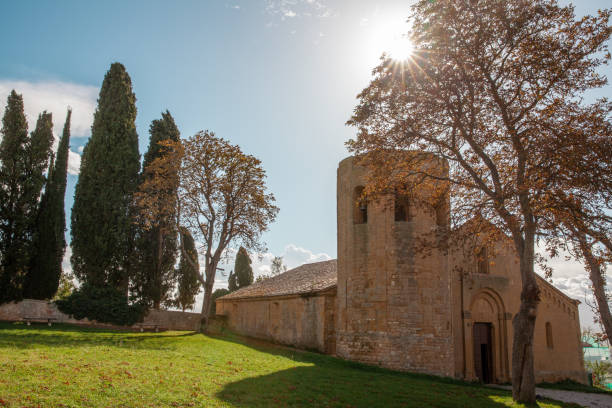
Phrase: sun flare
(390, 37)
(400, 49)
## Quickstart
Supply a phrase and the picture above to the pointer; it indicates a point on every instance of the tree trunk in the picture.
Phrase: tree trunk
(123, 285)
(598, 282)
(158, 271)
(206, 303)
(523, 323)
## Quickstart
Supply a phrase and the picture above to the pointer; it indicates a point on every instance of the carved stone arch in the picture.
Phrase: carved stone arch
(486, 340)
(491, 298)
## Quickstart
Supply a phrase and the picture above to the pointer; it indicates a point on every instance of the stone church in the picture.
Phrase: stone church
(384, 303)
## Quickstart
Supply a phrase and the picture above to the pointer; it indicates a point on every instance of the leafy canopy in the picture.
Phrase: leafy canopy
(495, 90)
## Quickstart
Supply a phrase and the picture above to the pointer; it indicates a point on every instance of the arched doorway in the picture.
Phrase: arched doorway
(486, 341)
(483, 352)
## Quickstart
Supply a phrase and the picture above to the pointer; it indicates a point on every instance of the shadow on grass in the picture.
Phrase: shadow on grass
(39, 335)
(269, 347)
(318, 380)
(333, 382)
(318, 386)
(326, 361)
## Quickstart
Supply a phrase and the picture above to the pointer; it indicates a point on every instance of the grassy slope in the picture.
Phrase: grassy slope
(67, 366)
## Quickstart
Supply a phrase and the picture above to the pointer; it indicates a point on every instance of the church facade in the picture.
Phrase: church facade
(389, 302)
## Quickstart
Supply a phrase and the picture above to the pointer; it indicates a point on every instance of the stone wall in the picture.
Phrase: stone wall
(493, 298)
(394, 307)
(302, 321)
(166, 319)
(562, 357)
(406, 304)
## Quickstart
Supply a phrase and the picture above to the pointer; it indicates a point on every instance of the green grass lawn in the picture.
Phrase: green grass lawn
(65, 366)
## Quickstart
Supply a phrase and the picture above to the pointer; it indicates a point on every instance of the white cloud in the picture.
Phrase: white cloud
(570, 277)
(298, 8)
(66, 266)
(293, 256)
(74, 162)
(56, 97)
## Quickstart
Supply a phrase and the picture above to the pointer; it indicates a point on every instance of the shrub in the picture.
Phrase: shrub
(103, 304)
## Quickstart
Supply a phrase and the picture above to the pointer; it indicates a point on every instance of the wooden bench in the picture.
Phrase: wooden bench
(153, 326)
(40, 319)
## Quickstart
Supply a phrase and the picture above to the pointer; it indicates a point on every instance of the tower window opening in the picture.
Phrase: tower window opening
(442, 215)
(483, 261)
(402, 208)
(360, 213)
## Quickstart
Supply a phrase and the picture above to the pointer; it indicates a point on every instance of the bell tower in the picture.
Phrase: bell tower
(394, 297)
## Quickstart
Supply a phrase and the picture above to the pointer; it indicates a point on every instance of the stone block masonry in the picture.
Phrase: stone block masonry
(403, 296)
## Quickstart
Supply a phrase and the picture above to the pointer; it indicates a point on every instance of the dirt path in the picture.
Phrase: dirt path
(582, 398)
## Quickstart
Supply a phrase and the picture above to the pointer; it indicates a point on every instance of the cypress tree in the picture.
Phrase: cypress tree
(23, 161)
(102, 230)
(232, 285)
(188, 282)
(49, 241)
(12, 173)
(156, 247)
(242, 268)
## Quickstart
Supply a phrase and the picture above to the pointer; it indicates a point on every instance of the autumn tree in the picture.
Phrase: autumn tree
(492, 88)
(221, 199)
(102, 215)
(595, 251)
(582, 228)
(153, 274)
(43, 278)
(577, 219)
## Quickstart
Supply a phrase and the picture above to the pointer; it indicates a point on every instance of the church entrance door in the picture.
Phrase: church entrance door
(483, 355)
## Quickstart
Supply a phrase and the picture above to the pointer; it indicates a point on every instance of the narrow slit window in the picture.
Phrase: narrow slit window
(402, 208)
(360, 211)
(549, 335)
(483, 261)
(442, 215)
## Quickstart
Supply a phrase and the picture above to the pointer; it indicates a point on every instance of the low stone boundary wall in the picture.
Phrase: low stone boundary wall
(165, 319)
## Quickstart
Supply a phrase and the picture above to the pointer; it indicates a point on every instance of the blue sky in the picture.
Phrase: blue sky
(277, 77)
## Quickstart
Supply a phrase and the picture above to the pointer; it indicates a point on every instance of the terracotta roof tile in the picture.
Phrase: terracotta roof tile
(308, 278)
